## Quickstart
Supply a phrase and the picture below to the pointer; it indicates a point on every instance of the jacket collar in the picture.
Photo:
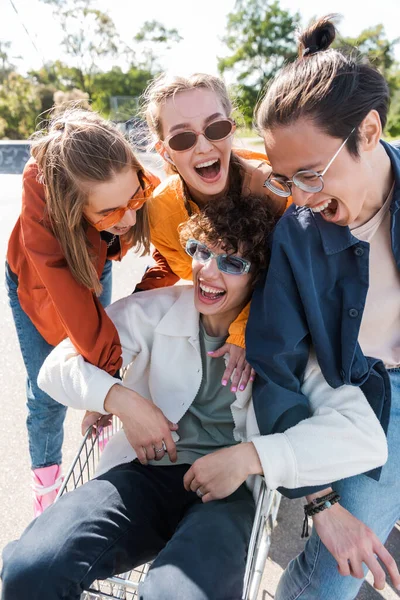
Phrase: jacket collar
(336, 238)
(393, 151)
(173, 324)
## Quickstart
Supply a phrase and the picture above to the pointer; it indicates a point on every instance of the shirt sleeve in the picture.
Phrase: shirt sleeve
(77, 307)
(341, 438)
(74, 382)
(161, 275)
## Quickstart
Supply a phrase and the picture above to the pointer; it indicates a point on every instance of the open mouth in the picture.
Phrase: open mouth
(121, 230)
(210, 294)
(209, 170)
(328, 209)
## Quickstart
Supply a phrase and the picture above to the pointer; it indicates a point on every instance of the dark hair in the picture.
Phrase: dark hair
(240, 224)
(334, 89)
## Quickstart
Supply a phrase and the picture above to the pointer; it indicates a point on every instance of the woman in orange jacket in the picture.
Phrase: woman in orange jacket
(190, 121)
(83, 205)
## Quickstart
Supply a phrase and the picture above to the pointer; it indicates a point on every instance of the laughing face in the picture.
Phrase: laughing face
(107, 196)
(204, 167)
(219, 297)
(354, 187)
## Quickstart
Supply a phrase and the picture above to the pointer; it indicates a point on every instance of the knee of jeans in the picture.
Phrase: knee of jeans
(23, 572)
(168, 582)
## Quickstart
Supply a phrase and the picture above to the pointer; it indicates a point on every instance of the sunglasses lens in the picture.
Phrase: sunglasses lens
(218, 130)
(231, 265)
(110, 220)
(182, 141)
(198, 251)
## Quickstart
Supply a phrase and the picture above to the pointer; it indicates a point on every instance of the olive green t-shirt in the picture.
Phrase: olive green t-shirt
(208, 424)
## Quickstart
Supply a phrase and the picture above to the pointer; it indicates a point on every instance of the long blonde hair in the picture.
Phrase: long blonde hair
(78, 147)
(164, 87)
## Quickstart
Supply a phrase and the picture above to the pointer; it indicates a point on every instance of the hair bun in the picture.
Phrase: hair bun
(318, 37)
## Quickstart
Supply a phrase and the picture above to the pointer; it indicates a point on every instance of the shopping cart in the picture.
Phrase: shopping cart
(124, 586)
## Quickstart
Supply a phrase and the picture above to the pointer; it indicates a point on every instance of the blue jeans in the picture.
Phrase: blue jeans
(313, 575)
(124, 518)
(45, 416)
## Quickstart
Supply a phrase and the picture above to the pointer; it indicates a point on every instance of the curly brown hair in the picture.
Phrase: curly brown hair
(240, 224)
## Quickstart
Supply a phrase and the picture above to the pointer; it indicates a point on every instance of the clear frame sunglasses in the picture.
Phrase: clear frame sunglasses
(227, 263)
(306, 180)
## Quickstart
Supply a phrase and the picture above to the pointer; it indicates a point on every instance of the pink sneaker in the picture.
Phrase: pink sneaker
(46, 483)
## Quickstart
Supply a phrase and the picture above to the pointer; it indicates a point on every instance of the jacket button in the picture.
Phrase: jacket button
(359, 251)
(353, 313)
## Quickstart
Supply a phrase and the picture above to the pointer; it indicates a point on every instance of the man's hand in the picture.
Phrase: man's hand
(237, 362)
(219, 474)
(352, 543)
(145, 426)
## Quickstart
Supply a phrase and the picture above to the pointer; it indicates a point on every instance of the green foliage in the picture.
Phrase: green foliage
(19, 107)
(118, 83)
(261, 37)
(5, 66)
(154, 38)
(89, 37)
(373, 44)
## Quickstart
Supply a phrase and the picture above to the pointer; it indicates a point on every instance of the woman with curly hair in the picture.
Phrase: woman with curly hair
(191, 511)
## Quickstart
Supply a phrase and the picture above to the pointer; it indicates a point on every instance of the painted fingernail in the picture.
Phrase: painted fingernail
(233, 388)
(100, 429)
(241, 388)
(251, 378)
(224, 381)
(210, 352)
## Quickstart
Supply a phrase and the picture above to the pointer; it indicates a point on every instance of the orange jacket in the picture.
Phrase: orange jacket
(167, 211)
(56, 303)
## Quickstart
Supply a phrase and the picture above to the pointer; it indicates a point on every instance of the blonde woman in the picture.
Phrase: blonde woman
(192, 128)
(83, 205)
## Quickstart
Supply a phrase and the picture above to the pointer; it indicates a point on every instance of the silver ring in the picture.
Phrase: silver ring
(199, 493)
(158, 450)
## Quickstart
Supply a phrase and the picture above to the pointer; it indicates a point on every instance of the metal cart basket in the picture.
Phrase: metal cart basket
(124, 586)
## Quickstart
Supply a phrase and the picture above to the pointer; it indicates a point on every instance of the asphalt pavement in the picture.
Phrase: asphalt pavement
(15, 494)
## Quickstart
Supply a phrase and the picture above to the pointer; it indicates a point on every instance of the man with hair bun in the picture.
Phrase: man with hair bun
(333, 288)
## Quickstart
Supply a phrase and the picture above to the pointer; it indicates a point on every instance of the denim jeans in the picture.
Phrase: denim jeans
(45, 416)
(124, 518)
(313, 575)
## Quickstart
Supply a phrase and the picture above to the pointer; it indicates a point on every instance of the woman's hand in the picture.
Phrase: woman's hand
(352, 543)
(145, 425)
(237, 362)
(98, 420)
(219, 474)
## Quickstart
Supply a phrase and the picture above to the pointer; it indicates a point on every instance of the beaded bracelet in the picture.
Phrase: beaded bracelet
(318, 505)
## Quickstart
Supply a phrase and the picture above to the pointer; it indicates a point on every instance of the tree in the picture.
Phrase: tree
(374, 45)
(5, 66)
(261, 37)
(19, 107)
(116, 82)
(89, 36)
(380, 52)
(155, 38)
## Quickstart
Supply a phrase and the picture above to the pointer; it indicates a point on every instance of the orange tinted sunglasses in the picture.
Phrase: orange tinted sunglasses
(115, 216)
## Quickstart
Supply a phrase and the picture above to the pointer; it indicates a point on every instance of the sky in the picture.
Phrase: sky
(202, 25)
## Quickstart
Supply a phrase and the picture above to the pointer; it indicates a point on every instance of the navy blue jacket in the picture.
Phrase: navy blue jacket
(314, 293)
